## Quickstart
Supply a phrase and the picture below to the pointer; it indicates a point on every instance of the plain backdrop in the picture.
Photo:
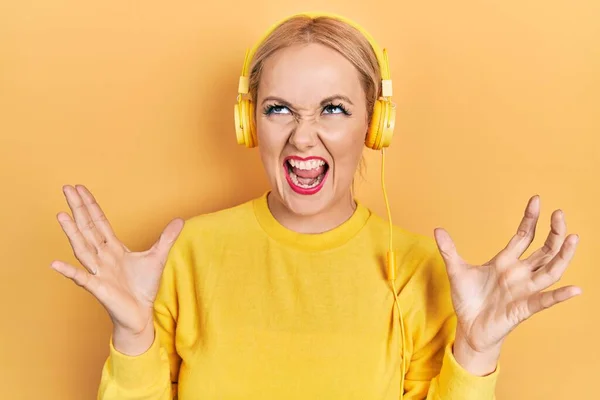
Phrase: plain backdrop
(497, 101)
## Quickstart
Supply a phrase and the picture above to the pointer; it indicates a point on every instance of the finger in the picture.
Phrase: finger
(554, 270)
(543, 300)
(448, 251)
(97, 215)
(79, 276)
(554, 241)
(519, 243)
(81, 248)
(164, 243)
(82, 217)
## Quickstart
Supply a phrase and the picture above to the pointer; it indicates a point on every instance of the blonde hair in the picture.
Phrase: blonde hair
(330, 32)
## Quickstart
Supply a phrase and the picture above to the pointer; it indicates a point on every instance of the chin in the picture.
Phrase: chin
(305, 204)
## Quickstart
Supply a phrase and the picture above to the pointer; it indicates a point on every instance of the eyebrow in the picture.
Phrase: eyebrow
(324, 102)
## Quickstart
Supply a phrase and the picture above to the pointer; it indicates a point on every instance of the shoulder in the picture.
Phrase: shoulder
(417, 256)
(203, 229)
(221, 219)
(205, 237)
(409, 246)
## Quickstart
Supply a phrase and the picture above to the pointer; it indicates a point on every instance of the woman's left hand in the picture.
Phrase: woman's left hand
(490, 300)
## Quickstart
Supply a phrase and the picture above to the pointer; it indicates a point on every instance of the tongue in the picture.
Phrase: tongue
(308, 173)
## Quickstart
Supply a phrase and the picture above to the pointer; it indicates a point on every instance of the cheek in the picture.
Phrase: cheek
(345, 141)
(271, 141)
(271, 134)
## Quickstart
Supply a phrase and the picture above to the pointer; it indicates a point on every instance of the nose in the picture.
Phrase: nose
(305, 135)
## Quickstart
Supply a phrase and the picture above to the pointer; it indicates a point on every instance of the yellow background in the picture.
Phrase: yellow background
(497, 101)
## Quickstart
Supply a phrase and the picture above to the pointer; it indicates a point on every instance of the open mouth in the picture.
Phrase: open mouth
(305, 175)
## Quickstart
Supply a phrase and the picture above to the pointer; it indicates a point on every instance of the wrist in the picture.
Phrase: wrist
(133, 344)
(479, 363)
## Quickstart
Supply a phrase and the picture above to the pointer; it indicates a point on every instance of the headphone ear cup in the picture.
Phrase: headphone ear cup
(371, 139)
(239, 129)
(382, 125)
(388, 124)
(252, 139)
(244, 123)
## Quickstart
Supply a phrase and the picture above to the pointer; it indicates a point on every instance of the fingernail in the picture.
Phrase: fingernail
(534, 200)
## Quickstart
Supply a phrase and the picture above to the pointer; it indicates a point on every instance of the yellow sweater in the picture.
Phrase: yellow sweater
(248, 309)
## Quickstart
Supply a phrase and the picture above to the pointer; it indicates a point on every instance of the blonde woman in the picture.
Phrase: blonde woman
(288, 296)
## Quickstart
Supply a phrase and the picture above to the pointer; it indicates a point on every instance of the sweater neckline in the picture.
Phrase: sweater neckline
(310, 241)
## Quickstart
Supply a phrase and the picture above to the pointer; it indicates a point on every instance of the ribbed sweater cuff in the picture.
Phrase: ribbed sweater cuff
(458, 383)
(135, 372)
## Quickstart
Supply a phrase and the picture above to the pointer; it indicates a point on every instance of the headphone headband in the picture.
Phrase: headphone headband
(380, 54)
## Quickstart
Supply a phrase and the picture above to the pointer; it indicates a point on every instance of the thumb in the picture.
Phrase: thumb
(168, 236)
(448, 251)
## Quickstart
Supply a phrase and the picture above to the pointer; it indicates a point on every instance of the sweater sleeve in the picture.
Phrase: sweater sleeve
(433, 373)
(152, 375)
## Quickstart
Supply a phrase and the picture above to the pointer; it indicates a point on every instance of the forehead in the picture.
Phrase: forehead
(305, 74)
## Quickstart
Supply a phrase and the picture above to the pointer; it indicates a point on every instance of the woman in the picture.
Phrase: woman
(286, 296)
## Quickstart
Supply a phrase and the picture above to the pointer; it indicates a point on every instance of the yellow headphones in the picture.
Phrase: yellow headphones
(381, 128)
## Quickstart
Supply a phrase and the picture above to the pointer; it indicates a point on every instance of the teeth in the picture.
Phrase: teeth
(310, 164)
(315, 183)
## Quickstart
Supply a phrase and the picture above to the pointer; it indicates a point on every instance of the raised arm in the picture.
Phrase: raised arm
(126, 284)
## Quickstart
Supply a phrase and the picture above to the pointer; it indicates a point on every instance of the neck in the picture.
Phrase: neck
(329, 218)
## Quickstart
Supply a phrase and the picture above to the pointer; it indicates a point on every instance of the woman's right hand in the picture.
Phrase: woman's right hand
(124, 282)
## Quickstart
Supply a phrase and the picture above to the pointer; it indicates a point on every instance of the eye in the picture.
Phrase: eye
(335, 109)
(275, 109)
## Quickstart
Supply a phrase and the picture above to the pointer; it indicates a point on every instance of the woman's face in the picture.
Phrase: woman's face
(311, 122)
